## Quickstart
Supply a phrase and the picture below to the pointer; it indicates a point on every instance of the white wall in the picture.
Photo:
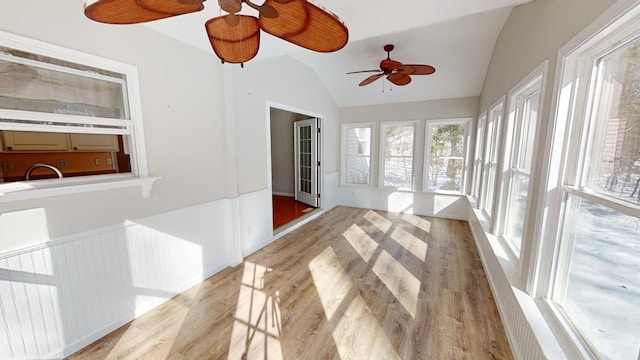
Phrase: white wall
(285, 81)
(286, 84)
(75, 267)
(183, 117)
(424, 203)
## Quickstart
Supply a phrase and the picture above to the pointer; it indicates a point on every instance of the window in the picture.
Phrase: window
(596, 282)
(489, 172)
(445, 155)
(66, 114)
(397, 154)
(477, 161)
(356, 149)
(524, 106)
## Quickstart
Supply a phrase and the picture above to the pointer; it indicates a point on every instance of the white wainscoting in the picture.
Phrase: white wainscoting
(256, 220)
(57, 297)
(529, 335)
(421, 203)
(329, 194)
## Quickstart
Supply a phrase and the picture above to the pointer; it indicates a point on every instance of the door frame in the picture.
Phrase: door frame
(321, 143)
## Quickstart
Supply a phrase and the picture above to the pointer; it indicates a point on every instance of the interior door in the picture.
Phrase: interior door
(306, 161)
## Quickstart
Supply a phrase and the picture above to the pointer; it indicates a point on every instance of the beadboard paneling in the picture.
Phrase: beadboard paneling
(58, 297)
(256, 220)
(450, 206)
(509, 300)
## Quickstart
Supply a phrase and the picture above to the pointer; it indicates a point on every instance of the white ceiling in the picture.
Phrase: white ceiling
(455, 36)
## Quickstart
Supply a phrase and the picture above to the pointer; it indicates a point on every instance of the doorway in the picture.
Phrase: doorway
(295, 175)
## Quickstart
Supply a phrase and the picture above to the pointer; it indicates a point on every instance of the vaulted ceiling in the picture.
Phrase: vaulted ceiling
(455, 36)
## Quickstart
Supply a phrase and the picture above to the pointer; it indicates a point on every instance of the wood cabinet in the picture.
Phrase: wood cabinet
(93, 142)
(45, 141)
(34, 141)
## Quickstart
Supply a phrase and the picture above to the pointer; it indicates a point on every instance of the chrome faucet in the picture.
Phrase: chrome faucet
(27, 174)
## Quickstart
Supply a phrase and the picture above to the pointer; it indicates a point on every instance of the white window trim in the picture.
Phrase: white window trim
(478, 145)
(343, 157)
(534, 82)
(382, 148)
(134, 128)
(489, 148)
(570, 65)
(427, 153)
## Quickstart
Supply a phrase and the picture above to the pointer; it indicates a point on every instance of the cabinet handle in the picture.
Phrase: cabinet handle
(9, 147)
(75, 148)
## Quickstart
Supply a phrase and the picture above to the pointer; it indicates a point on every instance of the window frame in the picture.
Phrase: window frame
(344, 129)
(478, 157)
(531, 84)
(34, 121)
(491, 162)
(573, 101)
(465, 151)
(382, 149)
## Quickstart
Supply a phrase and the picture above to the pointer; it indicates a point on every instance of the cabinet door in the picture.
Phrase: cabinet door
(34, 141)
(94, 142)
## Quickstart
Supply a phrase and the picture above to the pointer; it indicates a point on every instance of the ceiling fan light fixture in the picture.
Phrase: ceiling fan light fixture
(234, 44)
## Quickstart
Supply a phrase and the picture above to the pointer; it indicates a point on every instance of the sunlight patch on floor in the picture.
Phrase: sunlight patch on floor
(357, 335)
(378, 221)
(408, 241)
(402, 284)
(162, 344)
(417, 221)
(331, 280)
(363, 244)
(257, 325)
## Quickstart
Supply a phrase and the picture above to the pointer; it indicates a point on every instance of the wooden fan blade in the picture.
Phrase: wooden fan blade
(362, 71)
(132, 11)
(305, 24)
(291, 20)
(371, 79)
(121, 12)
(399, 79)
(234, 43)
(191, 2)
(173, 7)
(413, 69)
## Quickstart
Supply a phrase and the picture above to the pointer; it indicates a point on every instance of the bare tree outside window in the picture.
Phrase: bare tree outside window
(398, 156)
(446, 160)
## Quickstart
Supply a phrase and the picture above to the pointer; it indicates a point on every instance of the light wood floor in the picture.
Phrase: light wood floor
(352, 284)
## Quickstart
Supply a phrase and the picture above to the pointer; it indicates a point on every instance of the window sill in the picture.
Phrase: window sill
(27, 190)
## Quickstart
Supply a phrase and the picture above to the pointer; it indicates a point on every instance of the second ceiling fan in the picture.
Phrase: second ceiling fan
(395, 71)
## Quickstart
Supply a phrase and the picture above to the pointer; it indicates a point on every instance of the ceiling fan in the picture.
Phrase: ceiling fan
(235, 37)
(396, 72)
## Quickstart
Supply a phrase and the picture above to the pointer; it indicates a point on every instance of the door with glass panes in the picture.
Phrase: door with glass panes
(306, 161)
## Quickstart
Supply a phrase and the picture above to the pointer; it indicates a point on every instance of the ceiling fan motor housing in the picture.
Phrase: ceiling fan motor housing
(388, 66)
